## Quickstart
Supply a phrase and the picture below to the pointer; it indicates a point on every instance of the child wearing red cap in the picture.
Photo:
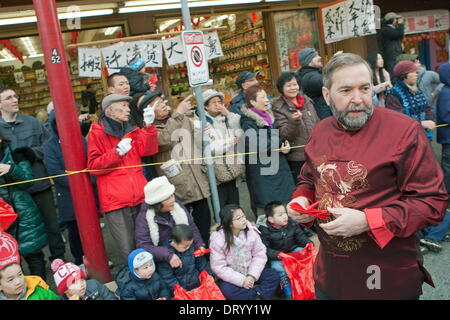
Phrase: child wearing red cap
(72, 284)
(13, 284)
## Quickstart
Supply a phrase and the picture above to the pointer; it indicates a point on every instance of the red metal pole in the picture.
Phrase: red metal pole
(71, 142)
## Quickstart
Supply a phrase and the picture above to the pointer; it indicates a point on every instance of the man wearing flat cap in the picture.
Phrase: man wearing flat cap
(391, 36)
(311, 80)
(244, 80)
(113, 143)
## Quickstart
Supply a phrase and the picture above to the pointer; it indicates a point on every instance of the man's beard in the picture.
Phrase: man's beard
(352, 123)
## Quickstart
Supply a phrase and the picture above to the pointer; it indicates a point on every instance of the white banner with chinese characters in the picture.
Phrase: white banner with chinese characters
(152, 53)
(426, 21)
(212, 46)
(115, 57)
(89, 63)
(173, 50)
(346, 19)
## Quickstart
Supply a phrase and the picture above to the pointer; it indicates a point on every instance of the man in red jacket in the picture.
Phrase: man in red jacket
(114, 143)
(375, 172)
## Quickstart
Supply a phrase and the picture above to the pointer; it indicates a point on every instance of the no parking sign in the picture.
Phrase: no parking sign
(197, 62)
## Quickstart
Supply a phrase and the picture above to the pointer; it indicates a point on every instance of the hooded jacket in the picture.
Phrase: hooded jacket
(129, 287)
(311, 82)
(284, 239)
(136, 80)
(119, 188)
(29, 229)
(187, 275)
(266, 184)
(429, 83)
(443, 105)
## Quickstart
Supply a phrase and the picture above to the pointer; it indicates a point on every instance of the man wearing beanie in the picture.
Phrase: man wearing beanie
(311, 80)
(114, 142)
(135, 73)
(13, 284)
(244, 80)
(407, 98)
(139, 279)
(71, 283)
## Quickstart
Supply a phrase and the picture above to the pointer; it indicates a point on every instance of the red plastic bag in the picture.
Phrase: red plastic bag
(299, 269)
(7, 215)
(311, 210)
(208, 290)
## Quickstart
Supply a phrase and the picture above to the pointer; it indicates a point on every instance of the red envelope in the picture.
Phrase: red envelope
(201, 252)
(311, 210)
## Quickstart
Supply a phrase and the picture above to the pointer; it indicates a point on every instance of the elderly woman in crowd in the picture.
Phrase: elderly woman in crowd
(296, 117)
(267, 172)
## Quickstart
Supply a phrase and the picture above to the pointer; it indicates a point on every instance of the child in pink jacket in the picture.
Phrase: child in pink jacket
(238, 258)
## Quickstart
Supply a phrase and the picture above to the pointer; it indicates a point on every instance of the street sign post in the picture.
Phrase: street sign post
(197, 62)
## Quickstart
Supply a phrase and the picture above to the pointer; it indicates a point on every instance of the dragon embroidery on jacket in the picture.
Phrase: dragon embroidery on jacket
(334, 191)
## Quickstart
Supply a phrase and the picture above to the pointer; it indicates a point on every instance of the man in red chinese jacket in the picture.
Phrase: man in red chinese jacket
(375, 172)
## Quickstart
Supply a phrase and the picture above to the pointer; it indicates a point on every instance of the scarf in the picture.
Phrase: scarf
(414, 104)
(300, 101)
(263, 115)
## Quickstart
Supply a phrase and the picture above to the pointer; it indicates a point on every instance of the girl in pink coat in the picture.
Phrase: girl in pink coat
(238, 258)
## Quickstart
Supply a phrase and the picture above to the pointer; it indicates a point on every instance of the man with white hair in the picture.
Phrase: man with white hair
(114, 143)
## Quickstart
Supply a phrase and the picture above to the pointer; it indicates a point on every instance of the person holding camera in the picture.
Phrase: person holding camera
(392, 35)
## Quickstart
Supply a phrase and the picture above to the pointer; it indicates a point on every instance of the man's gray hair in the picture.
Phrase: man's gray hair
(339, 61)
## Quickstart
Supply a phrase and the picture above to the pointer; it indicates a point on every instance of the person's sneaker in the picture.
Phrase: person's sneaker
(423, 250)
(110, 264)
(102, 225)
(431, 245)
(447, 237)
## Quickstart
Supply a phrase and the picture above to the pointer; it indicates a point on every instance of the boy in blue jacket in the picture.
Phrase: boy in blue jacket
(139, 280)
(187, 275)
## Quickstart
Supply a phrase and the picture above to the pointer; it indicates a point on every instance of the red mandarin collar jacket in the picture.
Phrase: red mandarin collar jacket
(388, 170)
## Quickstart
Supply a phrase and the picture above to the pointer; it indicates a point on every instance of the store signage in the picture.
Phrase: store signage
(152, 53)
(89, 63)
(115, 57)
(197, 62)
(212, 45)
(18, 76)
(173, 50)
(426, 21)
(40, 75)
(346, 19)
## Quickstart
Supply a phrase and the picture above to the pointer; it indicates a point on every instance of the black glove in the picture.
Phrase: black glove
(24, 153)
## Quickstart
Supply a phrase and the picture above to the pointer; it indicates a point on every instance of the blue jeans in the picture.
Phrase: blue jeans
(437, 233)
(278, 266)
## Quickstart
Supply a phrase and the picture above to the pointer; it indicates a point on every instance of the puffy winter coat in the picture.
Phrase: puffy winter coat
(237, 102)
(29, 229)
(443, 105)
(121, 187)
(187, 275)
(38, 289)
(177, 136)
(284, 239)
(265, 187)
(152, 229)
(311, 82)
(129, 287)
(295, 131)
(221, 258)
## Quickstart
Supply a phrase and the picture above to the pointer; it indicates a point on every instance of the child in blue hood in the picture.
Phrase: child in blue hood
(139, 280)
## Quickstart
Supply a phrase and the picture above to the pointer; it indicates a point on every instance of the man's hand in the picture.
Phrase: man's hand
(124, 146)
(348, 223)
(428, 124)
(298, 217)
(4, 169)
(185, 105)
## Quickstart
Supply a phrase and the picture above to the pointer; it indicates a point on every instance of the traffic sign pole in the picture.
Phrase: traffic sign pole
(201, 111)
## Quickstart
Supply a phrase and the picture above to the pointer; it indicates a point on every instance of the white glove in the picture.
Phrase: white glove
(149, 114)
(124, 146)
